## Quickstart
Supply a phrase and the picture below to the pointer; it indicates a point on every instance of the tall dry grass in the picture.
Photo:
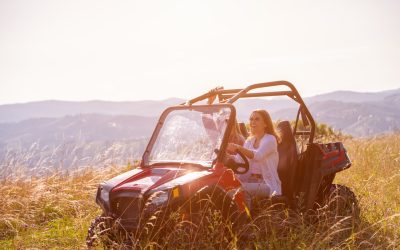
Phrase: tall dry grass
(52, 211)
(55, 211)
(375, 178)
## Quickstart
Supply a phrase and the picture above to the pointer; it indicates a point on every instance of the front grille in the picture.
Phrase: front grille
(127, 210)
(126, 207)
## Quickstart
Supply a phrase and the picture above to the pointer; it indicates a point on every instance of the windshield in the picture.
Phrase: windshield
(189, 135)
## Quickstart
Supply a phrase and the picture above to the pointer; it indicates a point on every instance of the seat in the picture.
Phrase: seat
(288, 158)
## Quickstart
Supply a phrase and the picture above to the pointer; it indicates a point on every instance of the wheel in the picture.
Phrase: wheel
(205, 201)
(210, 216)
(208, 202)
(99, 227)
(104, 231)
(342, 201)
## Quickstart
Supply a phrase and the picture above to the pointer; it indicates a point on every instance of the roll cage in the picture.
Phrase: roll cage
(307, 124)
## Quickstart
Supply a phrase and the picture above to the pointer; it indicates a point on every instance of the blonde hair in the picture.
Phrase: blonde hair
(270, 128)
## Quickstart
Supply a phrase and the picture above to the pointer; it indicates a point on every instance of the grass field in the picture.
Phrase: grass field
(56, 211)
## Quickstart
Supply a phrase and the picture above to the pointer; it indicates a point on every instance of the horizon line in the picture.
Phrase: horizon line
(169, 98)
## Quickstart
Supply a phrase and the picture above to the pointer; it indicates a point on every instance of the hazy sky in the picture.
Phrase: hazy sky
(155, 49)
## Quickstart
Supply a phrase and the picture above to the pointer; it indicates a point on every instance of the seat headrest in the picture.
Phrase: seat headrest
(285, 131)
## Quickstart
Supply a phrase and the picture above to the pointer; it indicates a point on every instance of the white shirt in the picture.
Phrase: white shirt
(265, 161)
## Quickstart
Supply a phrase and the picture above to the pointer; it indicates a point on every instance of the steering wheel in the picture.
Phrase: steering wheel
(238, 168)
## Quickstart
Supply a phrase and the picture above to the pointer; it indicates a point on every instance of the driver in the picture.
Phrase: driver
(260, 148)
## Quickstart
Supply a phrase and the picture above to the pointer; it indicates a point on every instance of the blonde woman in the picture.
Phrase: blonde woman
(261, 149)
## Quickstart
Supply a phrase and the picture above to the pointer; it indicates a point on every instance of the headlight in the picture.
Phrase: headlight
(159, 198)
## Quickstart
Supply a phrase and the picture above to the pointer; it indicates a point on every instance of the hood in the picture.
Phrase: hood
(158, 179)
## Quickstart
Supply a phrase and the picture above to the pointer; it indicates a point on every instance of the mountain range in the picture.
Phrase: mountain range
(62, 133)
(355, 113)
(53, 108)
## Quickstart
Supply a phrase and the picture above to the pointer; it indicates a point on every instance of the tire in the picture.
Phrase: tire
(211, 214)
(98, 228)
(341, 201)
(103, 232)
(210, 199)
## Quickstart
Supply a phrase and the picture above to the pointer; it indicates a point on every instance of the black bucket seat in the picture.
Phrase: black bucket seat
(288, 159)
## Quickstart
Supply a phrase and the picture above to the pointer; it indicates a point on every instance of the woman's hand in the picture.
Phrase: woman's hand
(236, 148)
(232, 147)
(211, 99)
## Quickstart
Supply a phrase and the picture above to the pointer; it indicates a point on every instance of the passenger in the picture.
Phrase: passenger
(261, 149)
(235, 137)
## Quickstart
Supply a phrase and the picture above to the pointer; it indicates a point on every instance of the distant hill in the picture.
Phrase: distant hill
(357, 119)
(353, 97)
(360, 114)
(73, 141)
(23, 111)
(86, 127)
(56, 134)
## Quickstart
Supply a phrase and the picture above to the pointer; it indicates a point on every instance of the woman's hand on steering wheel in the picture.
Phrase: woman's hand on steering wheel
(238, 168)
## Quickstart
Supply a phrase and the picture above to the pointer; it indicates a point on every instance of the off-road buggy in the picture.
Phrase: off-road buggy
(185, 163)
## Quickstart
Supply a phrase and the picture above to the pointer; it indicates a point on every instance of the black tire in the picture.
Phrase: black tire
(210, 199)
(104, 232)
(98, 228)
(341, 201)
(211, 213)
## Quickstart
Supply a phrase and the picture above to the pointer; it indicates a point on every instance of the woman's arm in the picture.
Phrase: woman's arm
(267, 145)
(238, 148)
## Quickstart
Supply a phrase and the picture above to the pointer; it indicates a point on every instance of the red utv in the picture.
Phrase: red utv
(185, 161)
